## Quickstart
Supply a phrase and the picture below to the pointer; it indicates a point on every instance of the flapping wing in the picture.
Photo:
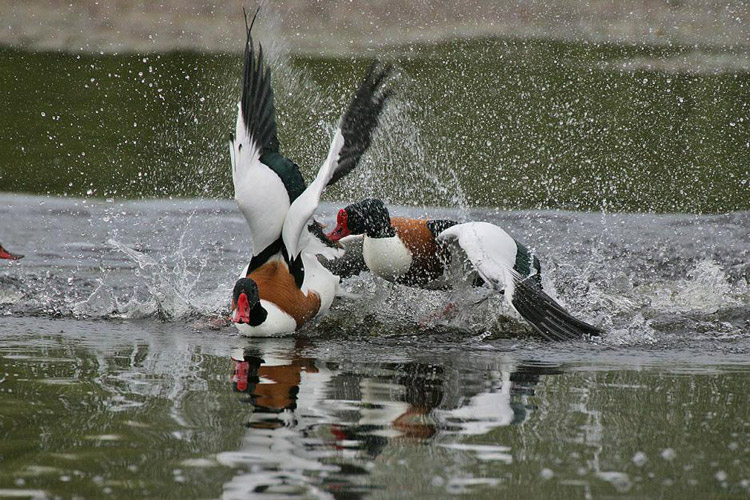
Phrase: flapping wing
(261, 193)
(492, 252)
(257, 111)
(350, 142)
(360, 120)
(352, 262)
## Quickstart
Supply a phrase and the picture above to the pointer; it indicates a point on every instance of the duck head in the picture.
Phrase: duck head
(246, 303)
(4, 254)
(369, 217)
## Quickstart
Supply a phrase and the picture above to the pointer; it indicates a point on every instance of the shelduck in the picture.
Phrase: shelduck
(4, 254)
(284, 285)
(415, 252)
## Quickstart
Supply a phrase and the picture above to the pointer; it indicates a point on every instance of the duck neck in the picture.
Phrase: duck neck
(384, 231)
(377, 220)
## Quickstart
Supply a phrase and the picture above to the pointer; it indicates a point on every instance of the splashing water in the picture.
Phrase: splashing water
(634, 275)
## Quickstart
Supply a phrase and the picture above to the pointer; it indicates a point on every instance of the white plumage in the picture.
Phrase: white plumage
(260, 194)
(270, 193)
(491, 251)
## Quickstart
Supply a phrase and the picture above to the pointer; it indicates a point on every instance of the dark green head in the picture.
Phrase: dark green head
(369, 217)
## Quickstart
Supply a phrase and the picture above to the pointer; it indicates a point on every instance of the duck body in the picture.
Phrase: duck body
(411, 256)
(284, 286)
(399, 249)
(288, 306)
(408, 251)
(415, 252)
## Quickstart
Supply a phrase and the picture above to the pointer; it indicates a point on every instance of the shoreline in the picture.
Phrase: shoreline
(338, 28)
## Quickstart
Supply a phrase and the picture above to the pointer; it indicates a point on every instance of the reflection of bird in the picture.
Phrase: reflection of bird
(4, 254)
(413, 252)
(284, 285)
(503, 400)
(272, 388)
(394, 407)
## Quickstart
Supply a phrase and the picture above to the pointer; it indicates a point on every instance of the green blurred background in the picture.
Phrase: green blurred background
(508, 117)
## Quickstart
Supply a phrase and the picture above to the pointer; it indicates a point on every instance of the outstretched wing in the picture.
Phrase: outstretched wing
(350, 142)
(265, 182)
(256, 105)
(360, 120)
(492, 252)
(547, 316)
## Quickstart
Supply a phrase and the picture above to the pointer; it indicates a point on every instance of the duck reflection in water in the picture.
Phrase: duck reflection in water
(368, 405)
(272, 389)
(436, 404)
(336, 421)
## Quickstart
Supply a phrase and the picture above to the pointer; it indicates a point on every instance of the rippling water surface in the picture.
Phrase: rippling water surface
(114, 383)
(117, 379)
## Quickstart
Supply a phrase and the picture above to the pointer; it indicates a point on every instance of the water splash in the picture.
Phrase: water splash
(706, 290)
(172, 295)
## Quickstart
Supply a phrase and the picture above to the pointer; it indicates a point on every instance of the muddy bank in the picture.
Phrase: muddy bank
(344, 27)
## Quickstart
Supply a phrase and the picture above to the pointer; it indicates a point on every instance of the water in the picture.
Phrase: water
(111, 409)
(115, 383)
(660, 279)
(117, 379)
(516, 124)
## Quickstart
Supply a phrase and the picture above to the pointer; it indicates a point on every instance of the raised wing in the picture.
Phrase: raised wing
(351, 140)
(492, 252)
(352, 262)
(265, 182)
(360, 120)
(256, 105)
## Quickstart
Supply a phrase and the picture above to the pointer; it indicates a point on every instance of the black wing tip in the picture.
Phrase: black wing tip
(378, 72)
(249, 27)
(256, 103)
(373, 81)
(316, 229)
(548, 317)
(362, 117)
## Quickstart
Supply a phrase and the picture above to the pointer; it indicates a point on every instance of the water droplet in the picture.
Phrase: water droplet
(640, 459)
(668, 454)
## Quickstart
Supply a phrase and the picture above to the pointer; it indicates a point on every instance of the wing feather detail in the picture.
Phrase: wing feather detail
(361, 119)
(548, 317)
(260, 193)
(352, 138)
(492, 253)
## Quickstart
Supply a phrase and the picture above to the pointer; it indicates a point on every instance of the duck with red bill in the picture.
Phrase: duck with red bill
(4, 254)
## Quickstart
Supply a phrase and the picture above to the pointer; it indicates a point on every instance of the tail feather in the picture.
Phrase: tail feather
(361, 119)
(548, 317)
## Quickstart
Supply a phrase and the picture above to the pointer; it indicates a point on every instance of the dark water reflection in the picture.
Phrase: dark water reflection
(142, 410)
(345, 422)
